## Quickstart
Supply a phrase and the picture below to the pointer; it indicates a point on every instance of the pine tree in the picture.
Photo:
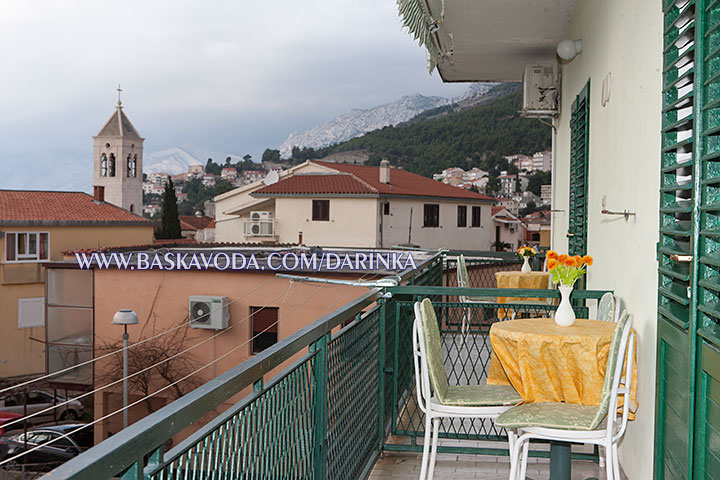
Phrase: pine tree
(170, 227)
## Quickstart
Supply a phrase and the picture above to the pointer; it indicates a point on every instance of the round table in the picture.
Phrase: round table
(548, 363)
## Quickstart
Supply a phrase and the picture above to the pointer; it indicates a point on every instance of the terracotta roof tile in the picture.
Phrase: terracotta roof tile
(330, 183)
(192, 222)
(47, 206)
(360, 179)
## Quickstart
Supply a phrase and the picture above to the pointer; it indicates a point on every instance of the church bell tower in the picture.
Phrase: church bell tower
(117, 161)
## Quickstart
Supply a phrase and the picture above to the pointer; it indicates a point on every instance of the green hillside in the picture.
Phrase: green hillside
(441, 138)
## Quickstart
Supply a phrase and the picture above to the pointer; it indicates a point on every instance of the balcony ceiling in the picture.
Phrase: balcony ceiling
(494, 39)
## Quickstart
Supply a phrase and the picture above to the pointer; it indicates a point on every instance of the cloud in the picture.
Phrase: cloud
(232, 76)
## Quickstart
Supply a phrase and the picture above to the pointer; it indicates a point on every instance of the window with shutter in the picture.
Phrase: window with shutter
(579, 135)
(689, 248)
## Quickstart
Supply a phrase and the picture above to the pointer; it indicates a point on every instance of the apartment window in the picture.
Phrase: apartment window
(386, 208)
(321, 210)
(431, 215)
(462, 216)
(26, 246)
(264, 327)
(475, 217)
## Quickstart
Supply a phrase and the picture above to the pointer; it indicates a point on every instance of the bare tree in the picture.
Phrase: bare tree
(171, 366)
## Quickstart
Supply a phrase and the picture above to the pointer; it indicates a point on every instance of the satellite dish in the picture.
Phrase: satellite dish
(271, 177)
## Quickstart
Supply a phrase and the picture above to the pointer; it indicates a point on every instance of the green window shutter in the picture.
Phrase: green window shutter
(579, 137)
(688, 293)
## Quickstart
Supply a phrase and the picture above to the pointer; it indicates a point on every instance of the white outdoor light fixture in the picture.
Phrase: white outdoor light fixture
(569, 49)
(125, 317)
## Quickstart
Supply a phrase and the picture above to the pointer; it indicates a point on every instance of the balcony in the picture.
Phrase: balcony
(347, 396)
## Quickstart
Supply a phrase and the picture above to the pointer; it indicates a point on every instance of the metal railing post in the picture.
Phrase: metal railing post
(320, 374)
(381, 374)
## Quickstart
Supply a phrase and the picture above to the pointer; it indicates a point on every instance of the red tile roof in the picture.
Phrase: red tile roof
(34, 207)
(192, 222)
(362, 180)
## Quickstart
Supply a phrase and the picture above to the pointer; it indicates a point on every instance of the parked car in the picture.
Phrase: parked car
(38, 400)
(58, 444)
(6, 417)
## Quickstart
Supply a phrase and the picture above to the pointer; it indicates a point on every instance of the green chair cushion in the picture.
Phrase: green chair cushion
(563, 416)
(481, 396)
(433, 349)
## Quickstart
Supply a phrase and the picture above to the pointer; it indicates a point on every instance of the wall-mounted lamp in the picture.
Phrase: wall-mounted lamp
(569, 49)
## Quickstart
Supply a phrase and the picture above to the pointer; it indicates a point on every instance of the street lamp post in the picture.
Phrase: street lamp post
(125, 317)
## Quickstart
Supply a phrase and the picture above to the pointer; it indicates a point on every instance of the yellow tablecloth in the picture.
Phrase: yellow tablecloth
(548, 363)
(517, 279)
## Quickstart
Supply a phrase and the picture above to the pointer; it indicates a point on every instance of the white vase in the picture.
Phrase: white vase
(526, 266)
(565, 315)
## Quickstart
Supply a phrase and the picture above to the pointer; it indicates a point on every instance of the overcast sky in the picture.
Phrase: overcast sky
(233, 76)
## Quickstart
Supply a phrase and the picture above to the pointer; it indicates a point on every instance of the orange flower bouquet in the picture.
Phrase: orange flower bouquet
(525, 253)
(565, 269)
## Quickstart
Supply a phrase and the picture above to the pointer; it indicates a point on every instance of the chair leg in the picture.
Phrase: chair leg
(616, 462)
(601, 455)
(512, 438)
(515, 457)
(433, 450)
(524, 460)
(609, 463)
(426, 448)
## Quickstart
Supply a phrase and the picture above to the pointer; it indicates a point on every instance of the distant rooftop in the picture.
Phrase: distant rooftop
(364, 180)
(119, 126)
(33, 207)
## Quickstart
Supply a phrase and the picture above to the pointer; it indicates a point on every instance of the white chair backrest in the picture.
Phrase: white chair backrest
(422, 378)
(462, 276)
(624, 361)
(607, 308)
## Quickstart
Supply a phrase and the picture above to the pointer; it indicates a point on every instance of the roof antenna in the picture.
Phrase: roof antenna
(119, 90)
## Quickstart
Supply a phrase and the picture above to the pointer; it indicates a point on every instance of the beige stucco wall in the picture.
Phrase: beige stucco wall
(19, 354)
(448, 235)
(160, 300)
(229, 227)
(353, 222)
(625, 39)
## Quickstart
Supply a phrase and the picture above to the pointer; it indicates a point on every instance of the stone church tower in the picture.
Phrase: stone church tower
(117, 162)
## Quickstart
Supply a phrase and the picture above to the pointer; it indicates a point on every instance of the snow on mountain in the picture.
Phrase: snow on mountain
(358, 121)
(177, 159)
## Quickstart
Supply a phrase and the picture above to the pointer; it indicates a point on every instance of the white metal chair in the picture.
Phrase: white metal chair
(599, 425)
(607, 308)
(437, 399)
(464, 282)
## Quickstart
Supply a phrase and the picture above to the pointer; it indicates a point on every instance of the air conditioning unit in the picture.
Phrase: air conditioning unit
(540, 91)
(257, 216)
(209, 312)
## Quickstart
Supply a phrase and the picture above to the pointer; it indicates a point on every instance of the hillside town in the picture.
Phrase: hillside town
(518, 215)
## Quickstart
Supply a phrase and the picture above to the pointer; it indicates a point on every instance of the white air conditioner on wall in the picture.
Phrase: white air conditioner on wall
(257, 216)
(208, 312)
(540, 91)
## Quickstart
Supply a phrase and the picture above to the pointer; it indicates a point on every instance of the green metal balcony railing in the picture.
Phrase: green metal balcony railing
(333, 410)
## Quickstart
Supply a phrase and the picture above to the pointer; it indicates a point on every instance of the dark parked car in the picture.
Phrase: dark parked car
(38, 400)
(58, 444)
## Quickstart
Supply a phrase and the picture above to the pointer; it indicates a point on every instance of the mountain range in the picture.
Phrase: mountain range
(360, 121)
(177, 159)
(344, 127)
